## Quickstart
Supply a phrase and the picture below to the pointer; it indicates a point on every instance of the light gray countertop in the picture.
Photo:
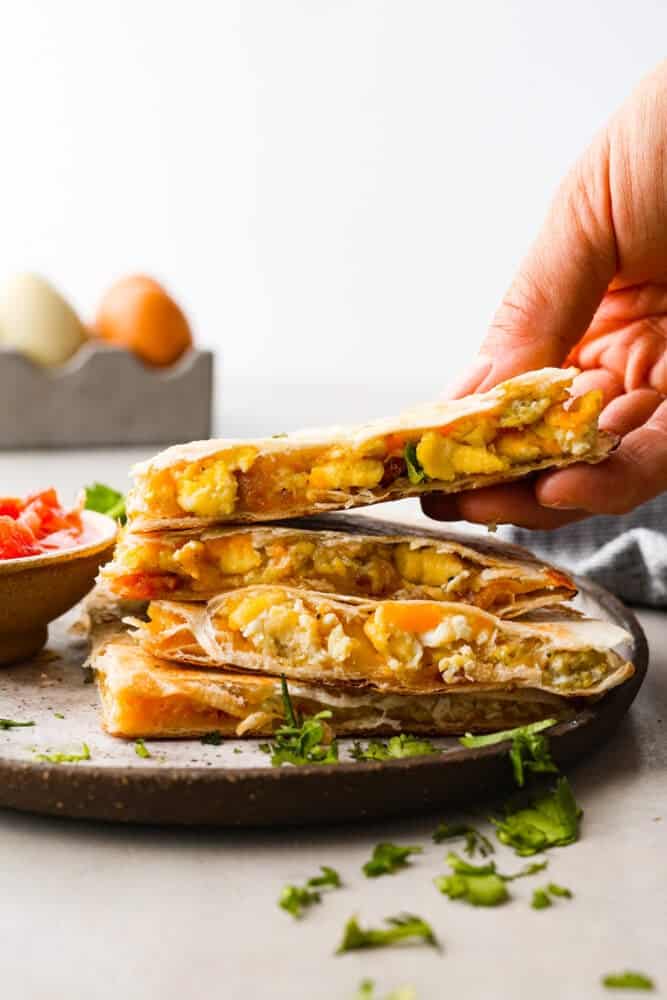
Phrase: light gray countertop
(91, 910)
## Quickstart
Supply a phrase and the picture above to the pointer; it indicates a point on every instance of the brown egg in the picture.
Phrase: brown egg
(138, 314)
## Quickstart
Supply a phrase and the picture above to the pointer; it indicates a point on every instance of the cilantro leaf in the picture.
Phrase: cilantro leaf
(13, 724)
(105, 501)
(366, 990)
(488, 739)
(295, 899)
(533, 869)
(550, 820)
(559, 890)
(415, 469)
(540, 900)
(301, 740)
(628, 981)
(529, 751)
(141, 749)
(213, 739)
(403, 745)
(65, 758)
(479, 885)
(329, 876)
(400, 928)
(475, 840)
(388, 859)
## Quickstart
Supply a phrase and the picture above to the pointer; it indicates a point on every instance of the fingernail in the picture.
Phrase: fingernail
(469, 381)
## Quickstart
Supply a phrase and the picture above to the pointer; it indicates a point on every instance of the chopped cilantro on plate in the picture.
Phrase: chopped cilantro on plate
(301, 739)
(141, 749)
(65, 758)
(529, 751)
(403, 745)
(13, 724)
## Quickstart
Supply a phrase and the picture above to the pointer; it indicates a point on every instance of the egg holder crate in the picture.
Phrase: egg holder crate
(103, 396)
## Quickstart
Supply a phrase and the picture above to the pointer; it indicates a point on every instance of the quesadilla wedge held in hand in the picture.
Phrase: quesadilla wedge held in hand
(146, 697)
(419, 647)
(344, 557)
(525, 424)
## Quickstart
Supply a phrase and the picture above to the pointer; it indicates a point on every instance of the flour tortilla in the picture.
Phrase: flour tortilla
(198, 634)
(493, 562)
(534, 385)
(143, 696)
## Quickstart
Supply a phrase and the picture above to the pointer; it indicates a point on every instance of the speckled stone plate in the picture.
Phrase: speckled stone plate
(187, 783)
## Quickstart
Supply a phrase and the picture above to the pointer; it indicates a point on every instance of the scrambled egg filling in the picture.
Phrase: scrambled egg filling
(413, 644)
(150, 568)
(519, 431)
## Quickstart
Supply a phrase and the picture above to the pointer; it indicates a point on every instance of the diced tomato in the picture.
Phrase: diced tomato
(16, 541)
(11, 507)
(36, 524)
(145, 586)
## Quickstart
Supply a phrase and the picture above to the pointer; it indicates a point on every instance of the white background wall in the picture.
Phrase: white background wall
(337, 192)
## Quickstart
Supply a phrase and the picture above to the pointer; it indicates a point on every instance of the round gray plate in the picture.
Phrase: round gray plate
(185, 782)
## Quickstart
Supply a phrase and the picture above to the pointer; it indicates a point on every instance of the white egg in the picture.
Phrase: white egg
(37, 321)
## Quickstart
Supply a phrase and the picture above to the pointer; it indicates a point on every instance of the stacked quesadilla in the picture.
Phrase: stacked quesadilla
(388, 630)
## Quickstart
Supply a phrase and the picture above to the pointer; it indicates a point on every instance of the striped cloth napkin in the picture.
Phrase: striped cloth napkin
(627, 555)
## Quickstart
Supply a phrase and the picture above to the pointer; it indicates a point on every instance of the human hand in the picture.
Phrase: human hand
(592, 292)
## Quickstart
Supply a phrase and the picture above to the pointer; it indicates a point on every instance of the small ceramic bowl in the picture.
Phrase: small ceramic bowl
(35, 590)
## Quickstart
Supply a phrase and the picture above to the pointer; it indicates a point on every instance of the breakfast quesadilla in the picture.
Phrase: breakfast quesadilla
(525, 424)
(362, 558)
(146, 697)
(410, 647)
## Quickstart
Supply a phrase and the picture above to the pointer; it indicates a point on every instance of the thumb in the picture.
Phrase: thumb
(563, 279)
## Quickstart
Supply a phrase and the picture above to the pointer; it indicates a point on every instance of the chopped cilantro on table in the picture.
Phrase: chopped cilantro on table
(59, 715)
(415, 469)
(628, 981)
(65, 758)
(401, 928)
(403, 745)
(388, 859)
(141, 749)
(13, 724)
(301, 739)
(479, 885)
(550, 820)
(529, 751)
(366, 991)
(527, 870)
(540, 900)
(295, 899)
(105, 500)
(559, 890)
(475, 840)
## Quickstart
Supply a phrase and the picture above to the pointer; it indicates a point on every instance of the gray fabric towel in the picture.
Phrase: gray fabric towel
(627, 555)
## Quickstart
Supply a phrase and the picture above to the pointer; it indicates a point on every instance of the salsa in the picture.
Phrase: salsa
(36, 525)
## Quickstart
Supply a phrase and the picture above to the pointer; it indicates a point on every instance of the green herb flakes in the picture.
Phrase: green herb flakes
(475, 840)
(415, 469)
(540, 900)
(529, 751)
(401, 928)
(212, 739)
(295, 899)
(301, 740)
(550, 820)
(403, 745)
(479, 885)
(628, 981)
(141, 749)
(65, 758)
(13, 724)
(388, 859)
(105, 500)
